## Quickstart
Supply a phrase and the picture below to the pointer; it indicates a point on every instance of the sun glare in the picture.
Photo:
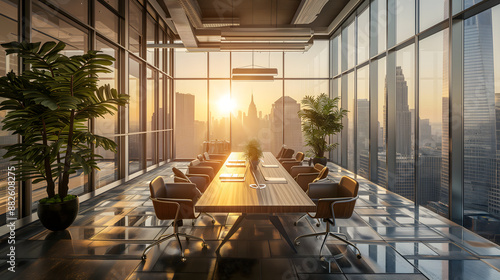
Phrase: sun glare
(226, 104)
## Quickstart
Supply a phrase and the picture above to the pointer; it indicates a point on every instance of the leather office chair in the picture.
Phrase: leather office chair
(304, 175)
(173, 201)
(196, 167)
(218, 157)
(215, 164)
(287, 164)
(280, 153)
(334, 201)
(287, 155)
(200, 180)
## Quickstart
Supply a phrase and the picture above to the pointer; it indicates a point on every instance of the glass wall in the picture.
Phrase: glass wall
(417, 110)
(143, 133)
(482, 122)
(212, 107)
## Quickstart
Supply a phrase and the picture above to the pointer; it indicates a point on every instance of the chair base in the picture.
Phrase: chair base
(177, 236)
(326, 234)
(193, 221)
(302, 217)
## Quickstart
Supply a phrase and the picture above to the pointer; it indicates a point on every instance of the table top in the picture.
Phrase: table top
(239, 197)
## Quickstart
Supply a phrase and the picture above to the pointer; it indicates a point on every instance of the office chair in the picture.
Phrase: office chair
(173, 201)
(196, 167)
(304, 175)
(334, 201)
(287, 164)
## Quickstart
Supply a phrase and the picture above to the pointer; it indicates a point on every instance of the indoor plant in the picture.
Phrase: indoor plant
(252, 152)
(49, 105)
(320, 117)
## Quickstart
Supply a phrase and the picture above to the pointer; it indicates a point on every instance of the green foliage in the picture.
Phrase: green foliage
(56, 199)
(50, 106)
(252, 150)
(321, 117)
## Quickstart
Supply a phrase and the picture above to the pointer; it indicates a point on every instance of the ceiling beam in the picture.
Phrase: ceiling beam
(182, 24)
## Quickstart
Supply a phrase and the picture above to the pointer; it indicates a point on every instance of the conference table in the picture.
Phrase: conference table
(238, 189)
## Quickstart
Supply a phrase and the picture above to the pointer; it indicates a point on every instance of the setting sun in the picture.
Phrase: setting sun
(226, 104)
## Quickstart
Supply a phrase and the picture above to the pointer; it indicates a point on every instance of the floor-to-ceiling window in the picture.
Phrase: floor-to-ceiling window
(143, 133)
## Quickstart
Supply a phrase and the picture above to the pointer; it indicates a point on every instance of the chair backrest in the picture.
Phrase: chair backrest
(194, 162)
(282, 150)
(200, 158)
(179, 176)
(318, 167)
(163, 211)
(322, 174)
(348, 187)
(206, 155)
(288, 153)
(299, 156)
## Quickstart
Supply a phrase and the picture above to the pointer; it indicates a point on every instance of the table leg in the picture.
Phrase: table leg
(279, 226)
(233, 229)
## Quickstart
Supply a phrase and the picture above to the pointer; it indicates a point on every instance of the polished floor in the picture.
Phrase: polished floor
(397, 241)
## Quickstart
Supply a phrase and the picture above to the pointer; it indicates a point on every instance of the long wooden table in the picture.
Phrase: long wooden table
(238, 197)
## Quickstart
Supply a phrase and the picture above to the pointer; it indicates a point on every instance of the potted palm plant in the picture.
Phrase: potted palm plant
(252, 152)
(49, 105)
(320, 117)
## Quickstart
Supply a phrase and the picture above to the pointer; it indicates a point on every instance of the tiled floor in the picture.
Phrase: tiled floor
(397, 241)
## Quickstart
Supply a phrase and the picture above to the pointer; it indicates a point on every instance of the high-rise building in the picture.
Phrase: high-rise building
(403, 115)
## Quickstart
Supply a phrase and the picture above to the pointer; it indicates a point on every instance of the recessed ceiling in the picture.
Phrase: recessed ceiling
(213, 25)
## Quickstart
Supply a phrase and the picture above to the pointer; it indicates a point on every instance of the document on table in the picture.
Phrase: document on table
(275, 180)
(270, 165)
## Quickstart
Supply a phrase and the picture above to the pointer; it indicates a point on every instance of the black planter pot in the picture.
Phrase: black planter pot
(58, 216)
(319, 160)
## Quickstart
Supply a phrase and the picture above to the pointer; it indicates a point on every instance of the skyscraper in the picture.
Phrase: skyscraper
(403, 115)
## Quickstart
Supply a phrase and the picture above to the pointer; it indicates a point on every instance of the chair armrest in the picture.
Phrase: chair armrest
(207, 170)
(286, 159)
(182, 190)
(295, 170)
(288, 165)
(185, 207)
(335, 200)
(214, 164)
(201, 181)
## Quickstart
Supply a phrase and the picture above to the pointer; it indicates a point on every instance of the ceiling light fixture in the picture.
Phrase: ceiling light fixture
(308, 11)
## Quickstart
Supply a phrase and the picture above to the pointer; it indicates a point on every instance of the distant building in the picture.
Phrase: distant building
(185, 125)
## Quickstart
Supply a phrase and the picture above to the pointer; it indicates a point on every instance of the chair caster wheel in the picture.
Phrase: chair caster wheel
(297, 243)
(213, 222)
(183, 259)
(321, 258)
(192, 223)
(295, 223)
(187, 239)
(204, 245)
(358, 256)
(317, 224)
(143, 258)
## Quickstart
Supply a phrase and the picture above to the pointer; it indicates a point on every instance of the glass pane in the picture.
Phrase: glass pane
(8, 33)
(404, 11)
(348, 47)
(295, 91)
(350, 121)
(78, 8)
(108, 165)
(313, 63)
(482, 123)
(336, 60)
(221, 107)
(191, 118)
(106, 22)
(381, 85)
(432, 12)
(151, 117)
(363, 36)
(150, 148)
(161, 102)
(378, 19)
(363, 122)
(134, 105)
(47, 27)
(161, 146)
(470, 3)
(135, 152)
(114, 3)
(433, 161)
(219, 65)
(108, 125)
(337, 153)
(135, 27)
(190, 64)
(258, 60)
(150, 39)
(161, 51)
(258, 114)
(405, 125)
